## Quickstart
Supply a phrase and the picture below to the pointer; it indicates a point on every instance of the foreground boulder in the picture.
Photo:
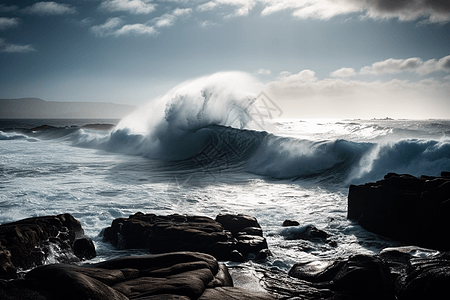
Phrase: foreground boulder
(179, 275)
(396, 273)
(229, 237)
(28, 243)
(413, 210)
(358, 277)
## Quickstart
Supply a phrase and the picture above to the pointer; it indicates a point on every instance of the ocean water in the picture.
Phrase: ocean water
(206, 151)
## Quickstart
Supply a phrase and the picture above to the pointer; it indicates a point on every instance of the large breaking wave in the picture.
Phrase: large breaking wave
(207, 124)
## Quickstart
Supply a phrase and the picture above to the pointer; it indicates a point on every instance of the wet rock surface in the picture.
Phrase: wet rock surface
(393, 274)
(27, 243)
(181, 267)
(178, 275)
(412, 210)
(229, 237)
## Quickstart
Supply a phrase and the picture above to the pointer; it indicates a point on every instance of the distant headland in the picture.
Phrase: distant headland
(35, 108)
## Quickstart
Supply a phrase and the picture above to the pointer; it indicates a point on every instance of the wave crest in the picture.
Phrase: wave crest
(171, 127)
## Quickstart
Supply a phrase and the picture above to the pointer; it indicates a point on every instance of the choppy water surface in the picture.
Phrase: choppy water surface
(201, 153)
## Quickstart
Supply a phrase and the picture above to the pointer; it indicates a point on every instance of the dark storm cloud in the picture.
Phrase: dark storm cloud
(398, 5)
(436, 11)
(432, 11)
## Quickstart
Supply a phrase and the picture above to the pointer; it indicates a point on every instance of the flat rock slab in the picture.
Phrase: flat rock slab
(229, 237)
(179, 275)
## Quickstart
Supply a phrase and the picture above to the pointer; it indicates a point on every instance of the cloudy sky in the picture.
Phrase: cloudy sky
(315, 59)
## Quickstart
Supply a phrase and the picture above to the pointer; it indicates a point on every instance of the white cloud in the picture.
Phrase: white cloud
(168, 20)
(413, 64)
(434, 11)
(206, 24)
(343, 73)
(208, 6)
(50, 8)
(6, 23)
(131, 6)
(14, 48)
(18, 48)
(241, 7)
(428, 11)
(86, 21)
(165, 20)
(115, 27)
(338, 98)
(288, 78)
(182, 11)
(137, 29)
(108, 27)
(317, 9)
(263, 71)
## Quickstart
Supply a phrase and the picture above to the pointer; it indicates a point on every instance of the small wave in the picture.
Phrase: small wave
(5, 136)
(410, 156)
(282, 157)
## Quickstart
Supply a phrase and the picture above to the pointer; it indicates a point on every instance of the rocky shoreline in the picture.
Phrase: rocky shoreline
(186, 254)
(412, 210)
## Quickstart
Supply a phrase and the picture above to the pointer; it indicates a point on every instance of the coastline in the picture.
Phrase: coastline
(396, 272)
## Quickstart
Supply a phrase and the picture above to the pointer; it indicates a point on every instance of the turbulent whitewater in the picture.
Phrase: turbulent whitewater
(200, 149)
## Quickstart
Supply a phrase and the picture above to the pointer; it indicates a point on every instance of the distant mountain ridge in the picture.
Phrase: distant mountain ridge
(35, 108)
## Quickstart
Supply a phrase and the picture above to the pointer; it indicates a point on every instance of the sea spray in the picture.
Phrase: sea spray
(316, 162)
(406, 156)
(172, 127)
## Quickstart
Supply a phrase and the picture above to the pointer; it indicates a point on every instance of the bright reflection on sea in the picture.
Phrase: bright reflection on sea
(300, 171)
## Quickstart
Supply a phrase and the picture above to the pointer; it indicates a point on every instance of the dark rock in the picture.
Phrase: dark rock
(288, 223)
(413, 210)
(316, 271)
(84, 248)
(164, 297)
(191, 284)
(98, 126)
(396, 273)
(26, 243)
(7, 268)
(236, 223)
(247, 244)
(162, 234)
(18, 290)
(228, 293)
(251, 231)
(426, 278)
(445, 174)
(69, 282)
(263, 254)
(43, 127)
(158, 261)
(181, 275)
(236, 256)
(308, 232)
(364, 277)
(358, 277)
(287, 287)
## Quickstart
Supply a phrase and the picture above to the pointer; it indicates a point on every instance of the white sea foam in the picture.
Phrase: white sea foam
(301, 171)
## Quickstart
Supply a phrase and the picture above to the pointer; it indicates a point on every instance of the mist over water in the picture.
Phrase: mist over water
(201, 149)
